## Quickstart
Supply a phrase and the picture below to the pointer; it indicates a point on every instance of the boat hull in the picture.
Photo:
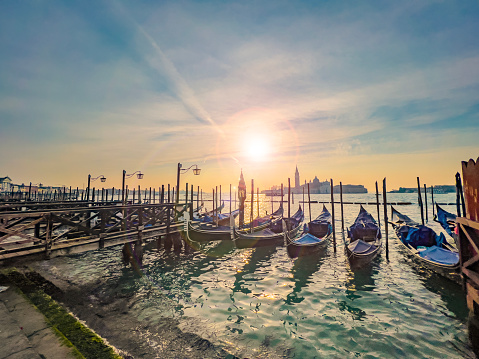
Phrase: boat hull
(296, 249)
(198, 234)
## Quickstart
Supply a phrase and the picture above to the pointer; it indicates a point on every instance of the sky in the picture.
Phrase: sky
(353, 91)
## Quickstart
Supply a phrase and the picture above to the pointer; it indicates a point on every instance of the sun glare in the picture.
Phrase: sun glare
(256, 148)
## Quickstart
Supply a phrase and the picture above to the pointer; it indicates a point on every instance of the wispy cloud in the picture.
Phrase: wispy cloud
(160, 83)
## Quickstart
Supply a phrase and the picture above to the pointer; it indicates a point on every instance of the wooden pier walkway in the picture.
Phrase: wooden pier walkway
(43, 230)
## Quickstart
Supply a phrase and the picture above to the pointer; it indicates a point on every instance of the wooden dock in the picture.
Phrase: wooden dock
(45, 230)
(468, 240)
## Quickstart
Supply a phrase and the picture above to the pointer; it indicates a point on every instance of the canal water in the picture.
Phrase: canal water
(215, 299)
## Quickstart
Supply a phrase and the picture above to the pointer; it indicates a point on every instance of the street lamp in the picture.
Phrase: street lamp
(196, 172)
(138, 174)
(101, 177)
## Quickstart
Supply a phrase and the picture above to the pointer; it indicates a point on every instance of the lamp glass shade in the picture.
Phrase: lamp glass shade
(140, 175)
(103, 179)
(196, 171)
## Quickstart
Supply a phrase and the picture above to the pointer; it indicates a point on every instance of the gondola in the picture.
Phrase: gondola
(204, 232)
(427, 247)
(260, 223)
(222, 219)
(314, 238)
(270, 235)
(364, 238)
(447, 220)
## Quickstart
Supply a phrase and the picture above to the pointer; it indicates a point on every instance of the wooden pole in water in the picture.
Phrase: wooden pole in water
(191, 197)
(198, 197)
(186, 194)
(332, 214)
(425, 202)
(168, 193)
(432, 201)
(30, 190)
(377, 202)
(303, 198)
(309, 204)
(134, 195)
(230, 199)
(341, 202)
(282, 198)
(289, 200)
(460, 196)
(272, 202)
(252, 206)
(419, 198)
(220, 196)
(139, 194)
(216, 201)
(257, 199)
(386, 216)
(154, 195)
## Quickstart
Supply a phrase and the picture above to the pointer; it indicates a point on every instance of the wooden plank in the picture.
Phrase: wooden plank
(471, 275)
(17, 231)
(467, 222)
(469, 236)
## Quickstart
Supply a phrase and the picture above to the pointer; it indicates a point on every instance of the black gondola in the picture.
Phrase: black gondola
(364, 238)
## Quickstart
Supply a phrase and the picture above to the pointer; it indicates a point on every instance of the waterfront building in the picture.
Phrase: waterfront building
(5, 184)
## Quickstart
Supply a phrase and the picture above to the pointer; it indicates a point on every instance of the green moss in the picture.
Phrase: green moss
(88, 343)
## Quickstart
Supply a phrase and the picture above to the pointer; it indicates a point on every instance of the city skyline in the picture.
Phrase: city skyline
(354, 93)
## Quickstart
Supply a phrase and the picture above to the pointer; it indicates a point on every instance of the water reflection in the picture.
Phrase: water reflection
(357, 281)
(451, 293)
(302, 270)
(253, 259)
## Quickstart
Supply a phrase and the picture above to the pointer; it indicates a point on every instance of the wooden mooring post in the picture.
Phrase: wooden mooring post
(342, 211)
(386, 217)
(419, 199)
(332, 214)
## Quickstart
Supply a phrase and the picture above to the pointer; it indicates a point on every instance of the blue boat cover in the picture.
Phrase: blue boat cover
(364, 224)
(421, 236)
(361, 247)
(307, 239)
(440, 255)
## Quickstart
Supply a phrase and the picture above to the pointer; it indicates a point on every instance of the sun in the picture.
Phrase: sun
(256, 148)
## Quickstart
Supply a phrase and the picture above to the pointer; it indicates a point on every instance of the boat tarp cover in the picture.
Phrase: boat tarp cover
(307, 239)
(321, 225)
(440, 255)
(364, 224)
(324, 217)
(294, 221)
(421, 236)
(361, 247)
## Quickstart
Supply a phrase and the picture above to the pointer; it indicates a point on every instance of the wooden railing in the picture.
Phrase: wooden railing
(57, 231)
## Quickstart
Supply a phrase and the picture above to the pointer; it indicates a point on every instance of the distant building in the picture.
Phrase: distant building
(5, 184)
(437, 189)
(316, 187)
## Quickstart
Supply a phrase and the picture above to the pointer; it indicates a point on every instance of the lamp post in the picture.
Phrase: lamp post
(101, 177)
(138, 174)
(196, 172)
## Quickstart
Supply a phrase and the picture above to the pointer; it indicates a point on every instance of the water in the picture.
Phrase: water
(259, 303)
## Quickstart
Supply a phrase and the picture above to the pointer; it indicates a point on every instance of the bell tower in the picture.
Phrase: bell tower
(297, 183)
